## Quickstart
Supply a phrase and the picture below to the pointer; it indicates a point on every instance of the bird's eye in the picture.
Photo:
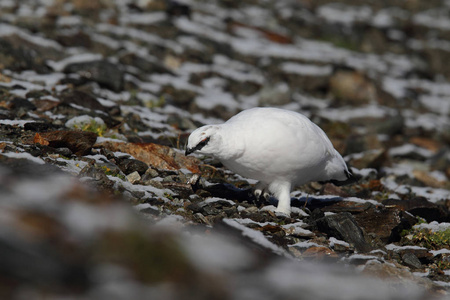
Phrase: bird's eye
(204, 141)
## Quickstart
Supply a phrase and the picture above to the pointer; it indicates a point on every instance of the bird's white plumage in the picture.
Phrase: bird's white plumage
(280, 148)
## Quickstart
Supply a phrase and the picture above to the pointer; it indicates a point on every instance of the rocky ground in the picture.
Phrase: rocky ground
(97, 99)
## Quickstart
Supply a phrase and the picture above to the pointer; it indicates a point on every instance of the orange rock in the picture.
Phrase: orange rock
(45, 104)
(79, 142)
(271, 228)
(426, 143)
(2, 145)
(38, 139)
(319, 253)
(428, 179)
(331, 189)
(4, 78)
(157, 156)
(373, 185)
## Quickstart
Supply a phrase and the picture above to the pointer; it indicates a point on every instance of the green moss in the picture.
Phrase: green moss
(341, 42)
(111, 172)
(92, 126)
(156, 103)
(429, 239)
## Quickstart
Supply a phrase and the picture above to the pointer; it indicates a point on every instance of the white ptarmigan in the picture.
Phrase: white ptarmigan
(280, 148)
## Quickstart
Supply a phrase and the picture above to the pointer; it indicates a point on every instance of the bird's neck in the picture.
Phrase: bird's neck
(230, 145)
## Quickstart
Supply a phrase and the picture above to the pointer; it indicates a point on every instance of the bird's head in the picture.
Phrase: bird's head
(203, 140)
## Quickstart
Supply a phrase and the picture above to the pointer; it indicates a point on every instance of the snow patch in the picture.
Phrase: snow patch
(256, 236)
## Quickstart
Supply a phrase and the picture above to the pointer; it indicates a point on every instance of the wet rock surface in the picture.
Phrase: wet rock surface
(98, 201)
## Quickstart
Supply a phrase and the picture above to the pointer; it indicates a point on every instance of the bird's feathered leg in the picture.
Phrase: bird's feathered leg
(282, 191)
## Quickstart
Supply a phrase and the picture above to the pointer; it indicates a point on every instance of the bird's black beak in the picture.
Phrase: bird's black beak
(198, 147)
(189, 151)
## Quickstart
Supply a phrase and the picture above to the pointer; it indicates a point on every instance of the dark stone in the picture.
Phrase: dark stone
(16, 57)
(229, 191)
(129, 165)
(17, 104)
(370, 159)
(411, 260)
(79, 142)
(99, 178)
(74, 39)
(107, 153)
(184, 190)
(64, 151)
(88, 101)
(179, 97)
(143, 64)
(317, 214)
(230, 211)
(420, 206)
(210, 210)
(103, 72)
(214, 219)
(40, 126)
(6, 114)
(151, 211)
(177, 9)
(391, 125)
(24, 168)
(181, 123)
(385, 223)
(195, 208)
(344, 227)
(35, 94)
(441, 160)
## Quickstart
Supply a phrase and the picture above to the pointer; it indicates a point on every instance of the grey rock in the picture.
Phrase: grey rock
(201, 219)
(103, 72)
(133, 177)
(130, 165)
(411, 260)
(344, 227)
(154, 183)
(86, 100)
(150, 173)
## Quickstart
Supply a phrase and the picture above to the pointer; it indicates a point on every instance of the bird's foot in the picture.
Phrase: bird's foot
(261, 193)
(261, 197)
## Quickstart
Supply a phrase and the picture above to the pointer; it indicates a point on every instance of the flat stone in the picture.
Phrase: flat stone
(103, 72)
(385, 223)
(133, 177)
(86, 100)
(129, 165)
(156, 156)
(411, 260)
(420, 206)
(344, 227)
(369, 159)
(79, 142)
